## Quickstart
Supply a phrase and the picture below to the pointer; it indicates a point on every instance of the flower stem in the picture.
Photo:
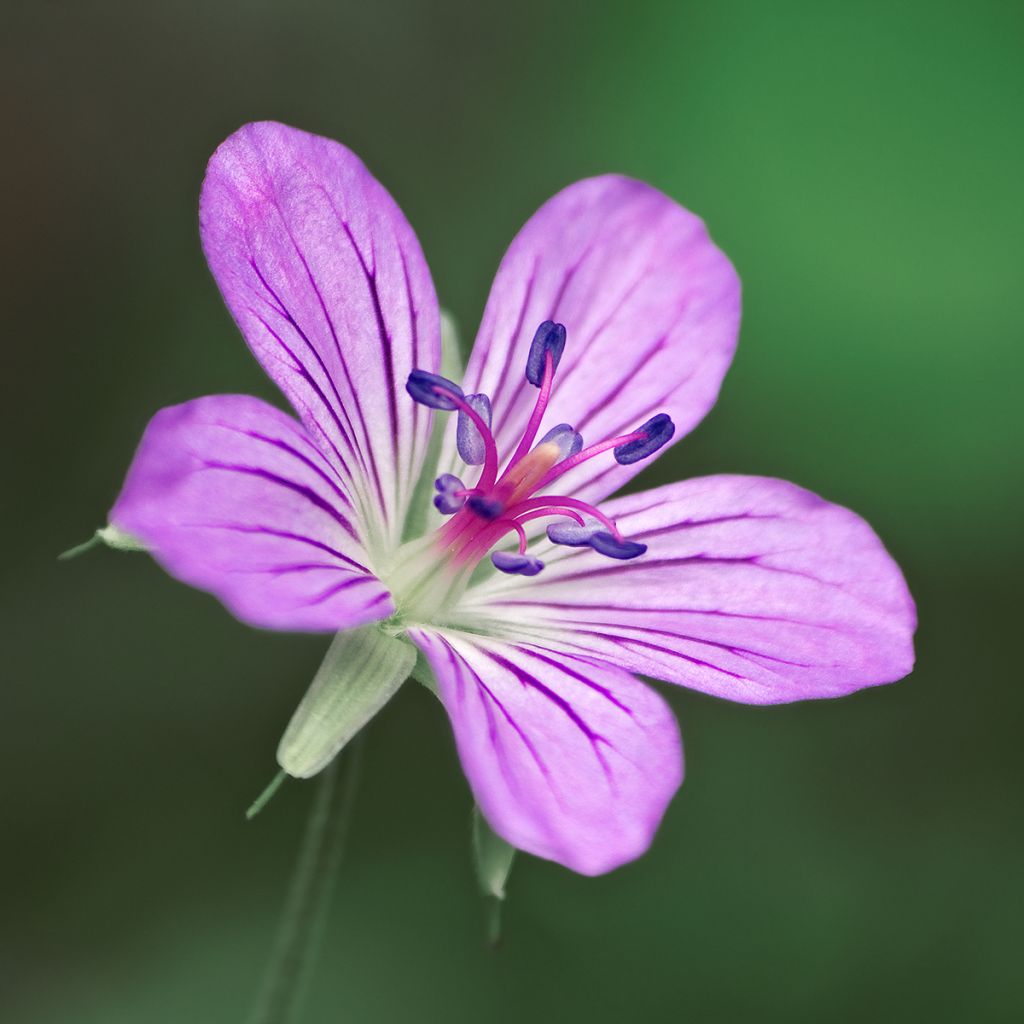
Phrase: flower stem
(305, 910)
(492, 917)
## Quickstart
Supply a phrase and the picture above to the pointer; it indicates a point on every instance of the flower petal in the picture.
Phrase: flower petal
(569, 760)
(651, 307)
(232, 496)
(751, 589)
(328, 284)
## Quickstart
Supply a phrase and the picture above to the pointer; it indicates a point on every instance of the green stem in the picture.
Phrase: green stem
(305, 911)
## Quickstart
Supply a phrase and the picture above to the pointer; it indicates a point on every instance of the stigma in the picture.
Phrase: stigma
(504, 499)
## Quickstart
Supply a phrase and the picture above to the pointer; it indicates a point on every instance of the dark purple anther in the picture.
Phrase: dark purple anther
(516, 565)
(659, 430)
(432, 389)
(605, 544)
(550, 337)
(447, 501)
(467, 438)
(485, 508)
(572, 534)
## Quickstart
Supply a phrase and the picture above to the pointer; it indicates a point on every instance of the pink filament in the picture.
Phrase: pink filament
(588, 453)
(542, 512)
(538, 412)
(522, 534)
(479, 544)
(490, 471)
(550, 501)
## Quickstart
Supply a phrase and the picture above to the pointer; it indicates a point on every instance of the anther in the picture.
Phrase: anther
(485, 508)
(448, 501)
(572, 534)
(568, 440)
(605, 544)
(516, 565)
(433, 390)
(550, 338)
(468, 440)
(657, 431)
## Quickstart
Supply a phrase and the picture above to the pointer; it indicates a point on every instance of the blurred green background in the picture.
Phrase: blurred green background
(846, 861)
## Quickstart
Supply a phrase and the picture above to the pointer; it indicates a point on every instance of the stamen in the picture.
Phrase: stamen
(485, 508)
(477, 546)
(665, 431)
(521, 532)
(540, 513)
(516, 565)
(656, 432)
(549, 340)
(616, 547)
(433, 390)
(538, 410)
(452, 494)
(567, 439)
(522, 478)
(471, 445)
(484, 513)
(490, 471)
(572, 535)
(553, 500)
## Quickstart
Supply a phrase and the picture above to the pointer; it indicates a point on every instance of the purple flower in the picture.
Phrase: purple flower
(613, 317)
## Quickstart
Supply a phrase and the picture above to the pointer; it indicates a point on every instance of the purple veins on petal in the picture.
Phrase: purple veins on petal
(569, 441)
(658, 430)
(516, 565)
(570, 760)
(433, 390)
(448, 501)
(470, 444)
(605, 544)
(550, 338)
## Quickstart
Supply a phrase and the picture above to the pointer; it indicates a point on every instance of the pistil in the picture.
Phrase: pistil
(496, 505)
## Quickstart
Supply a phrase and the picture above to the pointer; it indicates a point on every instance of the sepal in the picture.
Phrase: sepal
(492, 857)
(492, 860)
(116, 538)
(361, 672)
(110, 535)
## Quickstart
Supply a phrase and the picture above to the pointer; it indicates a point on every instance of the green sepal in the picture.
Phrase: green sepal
(362, 670)
(111, 536)
(266, 796)
(423, 673)
(116, 538)
(492, 857)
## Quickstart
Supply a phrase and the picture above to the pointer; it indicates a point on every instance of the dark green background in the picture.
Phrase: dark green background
(846, 861)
